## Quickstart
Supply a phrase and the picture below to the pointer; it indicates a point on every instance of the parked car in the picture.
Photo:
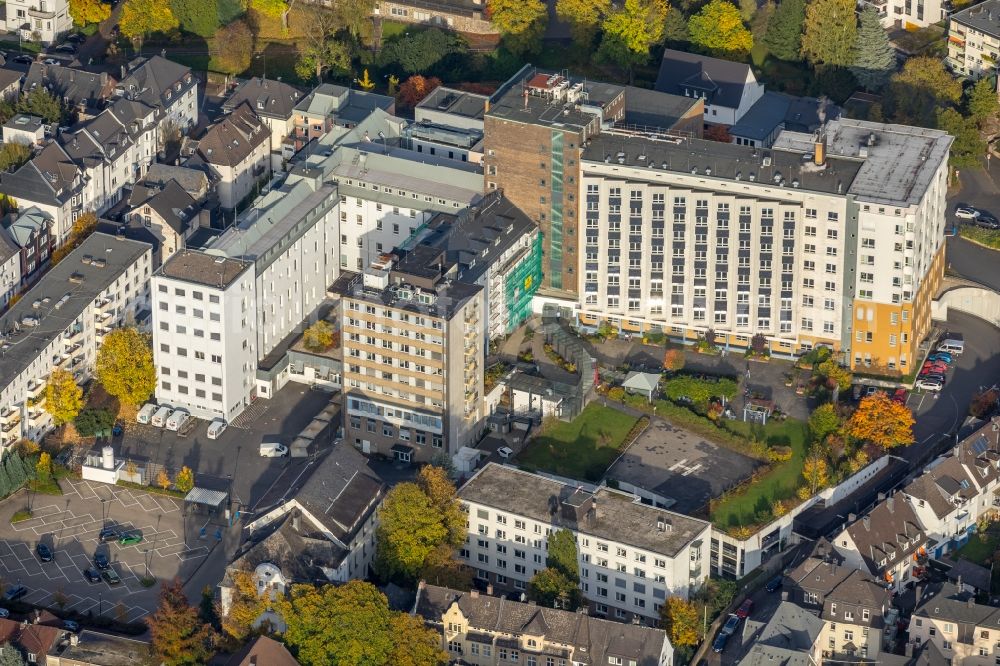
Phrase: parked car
(51, 61)
(987, 221)
(130, 539)
(743, 612)
(108, 534)
(24, 59)
(966, 213)
(176, 420)
(775, 583)
(719, 644)
(161, 416)
(940, 356)
(505, 452)
(76, 38)
(65, 48)
(70, 625)
(869, 391)
(111, 577)
(216, 428)
(15, 592)
(117, 429)
(732, 622)
(92, 575)
(44, 552)
(938, 368)
(934, 377)
(4, 613)
(900, 396)
(929, 385)
(101, 561)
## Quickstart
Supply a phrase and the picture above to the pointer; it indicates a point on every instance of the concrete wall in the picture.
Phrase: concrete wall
(979, 301)
(849, 485)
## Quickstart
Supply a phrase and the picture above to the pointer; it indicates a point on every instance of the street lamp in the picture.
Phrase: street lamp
(259, 56)
(100, 601)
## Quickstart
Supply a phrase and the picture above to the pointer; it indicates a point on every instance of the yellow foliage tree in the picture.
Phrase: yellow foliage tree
(43, 468)
(836, 375)
(184, 481)
(163, 479)
(366, 83)
(815, 472)
(85, 12)
(673, 360)
(246, 606)
(881, 421)
(63, 398)
(141, 17)
(718, 28)
(584, 17)
(125, 366)
(679, 618)
(318, 337)
(522, 22)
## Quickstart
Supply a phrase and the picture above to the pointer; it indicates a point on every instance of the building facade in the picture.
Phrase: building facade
(974, 40)
(204, 347)
(632, 555)
(39, 20)
(237, 151)
(61, 322)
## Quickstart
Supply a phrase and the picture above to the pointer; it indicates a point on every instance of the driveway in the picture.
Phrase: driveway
(980, 189)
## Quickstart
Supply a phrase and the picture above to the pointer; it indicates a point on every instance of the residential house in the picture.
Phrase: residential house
(462, 15)
(483, 630)
(50, 182)
(31, 231)
(113, 151)
(330, 105)
(322, 529)
(163, 85)
(100, 285)
(92, 648)
(10, 268)
(10, 84)
(729, 89)
(791, 637)
(44, 21)
(964, 632)
(194, 181)
(262, 651)
(236, 151)
(956, 489)
(35, 640)
(775, 112)
(632, 555)
(22, 128)
(888, 542)
(852, 603)
(169, 212)
(274, 102)
(909, 15)
(84, 93)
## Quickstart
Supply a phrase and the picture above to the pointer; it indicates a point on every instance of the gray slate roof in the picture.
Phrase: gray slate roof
(342, 103)
(105, 650)
(234, 138)
(721, 80)
(28, 222)
(947, 603)
(591, 638)
(890, 531)
(984, 17)
(300, 554)
(9, 77)
(269, 99)
(8, 247)
(80, 87)
(774, 110)
(171, 203)
(970, 573)
(618, 517)
(154, 81)
(49, 178)
(194, 181)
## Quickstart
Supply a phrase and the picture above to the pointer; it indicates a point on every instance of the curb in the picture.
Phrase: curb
(975, 242)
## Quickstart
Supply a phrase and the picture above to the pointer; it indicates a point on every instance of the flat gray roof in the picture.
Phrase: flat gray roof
(620, 517)
(62, 295)
(726, 161)
(208, 270)
(106, 650)
(455, 102)
(897, 163)
(510, 102)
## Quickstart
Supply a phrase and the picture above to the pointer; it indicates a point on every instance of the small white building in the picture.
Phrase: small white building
(22, 128)
(38, 20)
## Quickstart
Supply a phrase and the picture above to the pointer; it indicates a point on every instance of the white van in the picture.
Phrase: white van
(161, 416)
(272, 450)
(216, 428)
(952, 346)
(145, 413)
(177, 419)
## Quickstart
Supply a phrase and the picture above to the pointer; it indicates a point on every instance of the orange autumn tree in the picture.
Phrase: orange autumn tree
(673, 360)
(882, 422)
(415, 89)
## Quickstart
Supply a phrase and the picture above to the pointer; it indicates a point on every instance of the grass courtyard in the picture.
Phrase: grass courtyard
(581, 449)
(747, 504)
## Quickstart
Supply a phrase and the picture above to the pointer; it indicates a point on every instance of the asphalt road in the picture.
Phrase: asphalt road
(938, 418)
(980, 189)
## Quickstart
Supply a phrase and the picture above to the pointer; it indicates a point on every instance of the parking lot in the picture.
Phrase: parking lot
(70, 524)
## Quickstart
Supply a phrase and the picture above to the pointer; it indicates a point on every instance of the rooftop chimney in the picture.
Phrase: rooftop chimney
(867, 522)
(489, 589)
(819, 149)
(474, 593)
(890, 504)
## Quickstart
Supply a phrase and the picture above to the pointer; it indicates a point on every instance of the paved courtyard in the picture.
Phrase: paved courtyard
(70, 524)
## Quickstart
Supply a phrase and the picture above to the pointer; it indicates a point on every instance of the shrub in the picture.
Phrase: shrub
(90, 421)
(616, 393)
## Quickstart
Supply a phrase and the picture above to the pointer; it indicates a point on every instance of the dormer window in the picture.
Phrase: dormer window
(532, 643)
(833, 609)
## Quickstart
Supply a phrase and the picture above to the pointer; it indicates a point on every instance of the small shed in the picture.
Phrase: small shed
(642, 383)
(758, 410)
(970, 577)
(205, 498)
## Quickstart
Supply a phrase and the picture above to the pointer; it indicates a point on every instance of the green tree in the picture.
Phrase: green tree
(679, 618)
(969, 147)
(13, 154)
(200, 17)
(184, 481)
(981, 100)
(747, 9)
(632, 30)
(410, 528)
(352, 624)
(40, 102)
(12, 656)
(15, 472)
(584, 18)
(178, 636)
(874, 59)
(6, 486)
(43, 468)
(441, 492)
(823, 421)
(829, 32)
(421, 51)
(675, 29)
(550, 587)
(141, 17)
(125, 366)
(919, 90)
(235, 44)
(836, 375)
(85, 12)
(319, 50)
(272, 8)
(562, 554)
(760, 21)
(783, 38)
(521, 22)
(718, 29)
(354, 17)
(63, 398)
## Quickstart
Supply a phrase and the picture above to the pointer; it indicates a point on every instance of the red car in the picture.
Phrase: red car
(900, 396)
(743, 612)
(934, 367)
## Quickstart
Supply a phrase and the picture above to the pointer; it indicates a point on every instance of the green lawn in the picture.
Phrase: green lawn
(988, 237)
(978, 551)
(755, 499)
(581, 449)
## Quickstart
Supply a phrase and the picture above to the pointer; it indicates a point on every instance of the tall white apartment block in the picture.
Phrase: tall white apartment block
(204, 343)
(687, 236)
(61, 322)
(974, 40)
(632, 556)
